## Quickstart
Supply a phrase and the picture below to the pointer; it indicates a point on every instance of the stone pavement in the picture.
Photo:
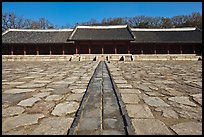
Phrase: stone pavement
(160, 97)
(42, 97)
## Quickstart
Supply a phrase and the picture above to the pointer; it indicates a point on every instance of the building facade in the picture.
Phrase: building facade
(118, 39)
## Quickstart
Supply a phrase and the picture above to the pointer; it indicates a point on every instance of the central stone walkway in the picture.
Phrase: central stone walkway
(100, 112)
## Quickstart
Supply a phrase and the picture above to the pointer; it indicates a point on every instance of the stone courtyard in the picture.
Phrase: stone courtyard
(81, 97)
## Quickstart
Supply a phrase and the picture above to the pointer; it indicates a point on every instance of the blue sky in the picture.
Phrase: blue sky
(61, 13)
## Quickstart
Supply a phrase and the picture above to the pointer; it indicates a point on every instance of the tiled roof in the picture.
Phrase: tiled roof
(118, 32)
(40, 36)
(167, 36)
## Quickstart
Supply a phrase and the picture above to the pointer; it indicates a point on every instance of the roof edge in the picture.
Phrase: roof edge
(41, 30)
(166, 29)
(103, 27)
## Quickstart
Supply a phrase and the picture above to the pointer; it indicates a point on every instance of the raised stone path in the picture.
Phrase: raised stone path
(100, 111)
(140, 97)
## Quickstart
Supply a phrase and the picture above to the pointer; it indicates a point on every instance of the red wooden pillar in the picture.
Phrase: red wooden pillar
(37, 50)
(102, 50)
(180, 49)
(11, 50)
(194, 49)
(63, 50)
(128, 48)
(24, 50)
(115, 50)
(76, 49)
(50, 50)
(168, 49)
(89, 50)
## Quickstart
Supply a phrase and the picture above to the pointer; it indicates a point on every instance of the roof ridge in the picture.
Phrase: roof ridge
(166, 29)
(43, 30)
(102, 27)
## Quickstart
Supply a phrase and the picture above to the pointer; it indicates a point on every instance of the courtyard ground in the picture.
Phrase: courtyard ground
(160, 97)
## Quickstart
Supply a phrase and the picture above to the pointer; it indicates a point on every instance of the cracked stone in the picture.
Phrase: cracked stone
(21, 120)
(54, 97)
(130, 98)
(53, 126)
(188, 128)
(41, 95)
(182, 100)
(12, 111)
(167, 112)
(65, 108)
(154, 101)
(150, 127)
(16, 91)
(28, 102)
(139, 111)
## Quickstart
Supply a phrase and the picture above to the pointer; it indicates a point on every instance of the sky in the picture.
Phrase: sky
(62, 13)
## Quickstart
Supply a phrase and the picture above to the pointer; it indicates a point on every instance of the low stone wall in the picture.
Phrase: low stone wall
(99, 57)
(166, 57)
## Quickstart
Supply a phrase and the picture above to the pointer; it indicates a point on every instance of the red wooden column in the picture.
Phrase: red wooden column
(115, 47)
(155, 51)
(11, 50)
(168, 49)
(194, 49)
(76, 48)
(102, 50)
(180, 49)
(37, 50)
(63, 50)
(128, 48)
(50, 50)
(24, 50)
(89, 50)
(90, 47)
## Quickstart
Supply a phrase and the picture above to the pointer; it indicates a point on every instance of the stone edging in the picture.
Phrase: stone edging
(126, 119)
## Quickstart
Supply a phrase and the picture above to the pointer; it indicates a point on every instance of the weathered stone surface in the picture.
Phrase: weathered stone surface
(182, 100)
(188, 128)
(167, 112)
(129, 91)
(41, 107)
(197, 98)
(12, 111)
(41, 95)
(139, 111)
(155, 101)
(124, 86)
(53, 126)
(130, 98)
(46, 89)
(16, 91)
(90, 123)
(65, 108)
(28, 102)
(150, 127)
(144, 87)
(120, 81)
(75, 97)
(21, 120)
(31, 85)
(112, 132)
(78, 91)
(53, 97)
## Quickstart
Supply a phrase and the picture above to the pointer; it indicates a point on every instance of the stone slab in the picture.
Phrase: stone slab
(150, 127)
